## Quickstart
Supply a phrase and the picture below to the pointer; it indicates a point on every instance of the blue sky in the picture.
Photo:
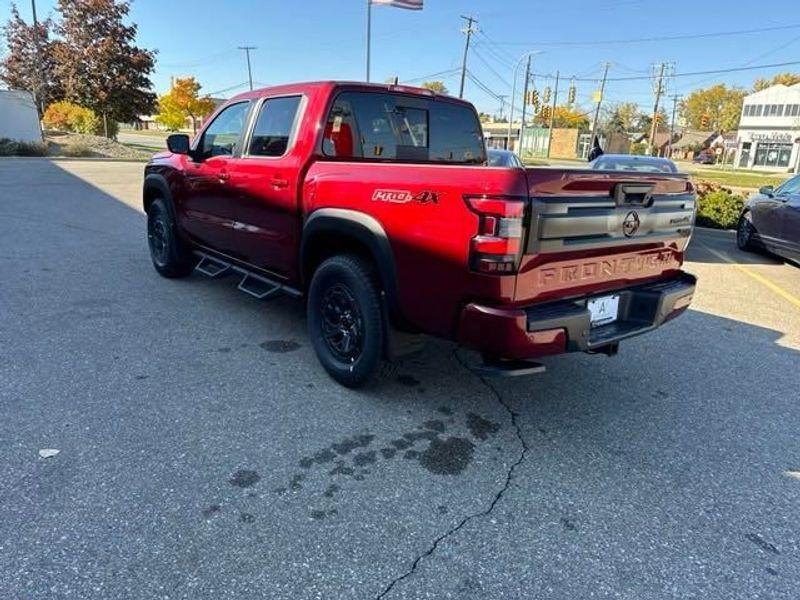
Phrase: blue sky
(324, 39)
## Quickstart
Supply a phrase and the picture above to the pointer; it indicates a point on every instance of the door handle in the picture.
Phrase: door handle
(223, 176)
(279, 182)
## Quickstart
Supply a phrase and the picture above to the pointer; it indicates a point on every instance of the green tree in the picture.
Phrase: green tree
(23, 68)
(181, 102)
(720, 104)
(436, 86)
(624, 117)
(784, 78)
(98, 63)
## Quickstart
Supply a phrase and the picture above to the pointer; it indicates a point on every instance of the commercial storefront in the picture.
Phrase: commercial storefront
(769, 130)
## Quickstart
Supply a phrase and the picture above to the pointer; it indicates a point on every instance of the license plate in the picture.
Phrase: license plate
(603, 310)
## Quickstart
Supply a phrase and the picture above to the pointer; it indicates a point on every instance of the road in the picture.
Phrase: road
(204, 454)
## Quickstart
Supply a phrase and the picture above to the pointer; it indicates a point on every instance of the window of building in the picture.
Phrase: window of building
(275, 126)
(379, 126)
(757, 110)
(221, 138)
(773, 155)
(747, 109)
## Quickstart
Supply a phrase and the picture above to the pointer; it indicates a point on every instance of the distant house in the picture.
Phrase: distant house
(496, 135)
(690, 143)
(19, 118)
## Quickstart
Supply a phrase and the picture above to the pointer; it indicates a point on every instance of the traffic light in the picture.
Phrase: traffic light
(704, 121)
(533, 98)
(546, 95)
(545, 112)
(571, 94)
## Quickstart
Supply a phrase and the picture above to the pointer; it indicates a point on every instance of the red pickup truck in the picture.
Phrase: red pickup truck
(376, 203)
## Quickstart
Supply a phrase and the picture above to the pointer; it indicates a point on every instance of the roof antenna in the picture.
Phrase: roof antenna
(394, 80)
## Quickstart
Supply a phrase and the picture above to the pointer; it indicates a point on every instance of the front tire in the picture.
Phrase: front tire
(170, 258)
(345, 320)
(744, 232)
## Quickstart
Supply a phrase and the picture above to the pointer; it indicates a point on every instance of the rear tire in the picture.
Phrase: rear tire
(345, 321)
(170, 258)
(744, 232)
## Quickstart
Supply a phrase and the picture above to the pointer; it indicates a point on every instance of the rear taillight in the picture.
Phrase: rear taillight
(497, 245)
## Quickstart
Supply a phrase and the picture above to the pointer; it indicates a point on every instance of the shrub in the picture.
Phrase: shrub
(640, 149)
(66, 116)
(719, 209)
(16, 148)
(77, 150)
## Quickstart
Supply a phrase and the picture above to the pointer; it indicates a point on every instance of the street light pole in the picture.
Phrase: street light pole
(249, 69)
(39, 95)
(514, 94)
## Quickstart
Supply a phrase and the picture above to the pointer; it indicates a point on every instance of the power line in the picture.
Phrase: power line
(447, 73)
(490, 67)
(663, 38)
(690, 74)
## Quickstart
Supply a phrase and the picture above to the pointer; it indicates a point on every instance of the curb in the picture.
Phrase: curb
(73, 159)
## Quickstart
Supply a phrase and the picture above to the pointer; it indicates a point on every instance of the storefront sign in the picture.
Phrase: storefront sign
(772, 136)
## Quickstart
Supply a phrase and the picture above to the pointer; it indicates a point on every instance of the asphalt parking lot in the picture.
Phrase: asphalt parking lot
(204, 454)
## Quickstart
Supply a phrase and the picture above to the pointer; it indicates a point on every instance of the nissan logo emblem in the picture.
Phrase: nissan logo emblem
(631, 224)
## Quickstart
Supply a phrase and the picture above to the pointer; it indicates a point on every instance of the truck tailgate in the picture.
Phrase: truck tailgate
(594, 231)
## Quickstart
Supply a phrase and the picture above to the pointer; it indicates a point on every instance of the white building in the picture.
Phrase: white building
(769, 130)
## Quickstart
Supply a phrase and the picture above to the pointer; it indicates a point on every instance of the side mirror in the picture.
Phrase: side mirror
(178, 143)
(767, 190)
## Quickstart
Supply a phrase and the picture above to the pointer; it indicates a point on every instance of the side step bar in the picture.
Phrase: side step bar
(508, 368)
(253, 284)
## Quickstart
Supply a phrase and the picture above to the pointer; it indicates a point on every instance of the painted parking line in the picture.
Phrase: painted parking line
(791, 298)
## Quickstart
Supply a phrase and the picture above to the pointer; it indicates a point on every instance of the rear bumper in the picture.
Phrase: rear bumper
(564, 326)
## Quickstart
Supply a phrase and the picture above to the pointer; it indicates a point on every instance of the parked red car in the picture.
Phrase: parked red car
(375, 203)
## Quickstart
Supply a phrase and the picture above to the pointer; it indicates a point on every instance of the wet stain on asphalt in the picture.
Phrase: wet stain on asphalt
(364, 458)
(408, 380)
(279, 346)
(442, 509)
(247, 518)
(347, 445)
(762, 543)
(428, 444)
(568, 524)
(244, 478)
(210, 511)
(481, 428)
(447, 457)
(318, 515)
(224, 349)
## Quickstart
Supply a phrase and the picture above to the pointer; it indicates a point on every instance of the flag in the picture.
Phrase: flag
(409, 4)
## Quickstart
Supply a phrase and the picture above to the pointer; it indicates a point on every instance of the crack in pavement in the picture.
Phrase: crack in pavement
(509, 476)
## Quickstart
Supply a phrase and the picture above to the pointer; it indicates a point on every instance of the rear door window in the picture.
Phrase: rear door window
(393, 127)
(275, 127)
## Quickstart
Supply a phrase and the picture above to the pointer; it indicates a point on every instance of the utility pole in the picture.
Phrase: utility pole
(469, 31)
(37, 92)
(654, 124)
(524, 103)
(249, 69)
(502, 104)
(606, 65)
(552, 116)
(369, 34)
(675, 99)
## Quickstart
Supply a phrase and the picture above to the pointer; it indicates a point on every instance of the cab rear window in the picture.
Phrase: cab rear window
(392, 127)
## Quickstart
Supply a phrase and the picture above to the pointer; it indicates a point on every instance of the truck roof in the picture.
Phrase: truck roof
(305, 86)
